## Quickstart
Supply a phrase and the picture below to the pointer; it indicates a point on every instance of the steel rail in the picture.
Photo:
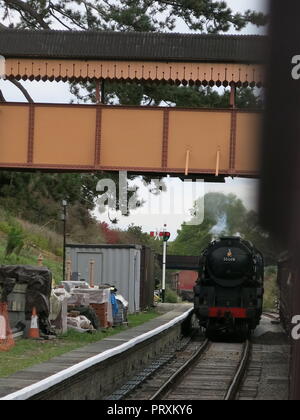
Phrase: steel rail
(270, 315)
(240, 373)
(126, 390)
(178, 374)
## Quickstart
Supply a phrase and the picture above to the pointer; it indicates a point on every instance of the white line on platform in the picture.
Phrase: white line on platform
(38, 387)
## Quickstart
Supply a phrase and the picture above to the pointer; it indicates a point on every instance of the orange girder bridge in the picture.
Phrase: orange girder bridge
(208, 142)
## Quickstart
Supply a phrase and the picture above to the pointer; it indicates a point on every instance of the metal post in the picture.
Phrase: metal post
(64, 217)
(69, 265)
(91, 272)
(233, 95)
(163, 294)
(103, 92)
(98, 91)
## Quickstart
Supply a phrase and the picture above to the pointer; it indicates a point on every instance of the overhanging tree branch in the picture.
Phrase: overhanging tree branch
(25, 7)
(59, 20)
(67, 16)
(22, 89)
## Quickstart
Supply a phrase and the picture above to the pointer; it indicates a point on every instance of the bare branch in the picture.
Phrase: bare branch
(60, 21)
(59, 10)
(30, 24)
(20, 5)
(22, 89)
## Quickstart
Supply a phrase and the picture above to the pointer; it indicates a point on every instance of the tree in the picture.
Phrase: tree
(37, 196)
(135, 93)
(111, 236)
(128, 15)
(224, 215)
(203, 16)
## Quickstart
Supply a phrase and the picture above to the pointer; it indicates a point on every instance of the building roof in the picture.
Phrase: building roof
(99, 45)
(100, 246)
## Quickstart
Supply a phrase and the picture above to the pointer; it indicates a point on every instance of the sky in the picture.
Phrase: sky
(257, 5)
(156, 211)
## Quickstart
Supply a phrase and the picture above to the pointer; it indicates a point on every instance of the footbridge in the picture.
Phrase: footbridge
(64, 137)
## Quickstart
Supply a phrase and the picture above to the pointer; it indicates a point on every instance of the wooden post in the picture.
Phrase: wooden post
(40, 260)
(92, 274)
(187, 162)
(69, 264)
(218, 162)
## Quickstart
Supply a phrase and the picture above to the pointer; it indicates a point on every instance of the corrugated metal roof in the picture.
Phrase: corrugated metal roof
(132, 46)
(113, 246)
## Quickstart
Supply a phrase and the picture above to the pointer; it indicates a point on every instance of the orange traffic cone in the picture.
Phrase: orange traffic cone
(34, 331)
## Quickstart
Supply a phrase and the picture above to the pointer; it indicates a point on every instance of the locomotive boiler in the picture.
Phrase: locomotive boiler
(228, 296)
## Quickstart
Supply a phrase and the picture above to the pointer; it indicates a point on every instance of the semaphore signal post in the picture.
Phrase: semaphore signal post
(166, 236)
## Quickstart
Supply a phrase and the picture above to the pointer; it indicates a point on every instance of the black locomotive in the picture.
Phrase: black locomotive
(228, 295)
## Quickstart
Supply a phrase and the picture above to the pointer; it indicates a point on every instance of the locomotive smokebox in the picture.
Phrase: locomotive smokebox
(228, 294)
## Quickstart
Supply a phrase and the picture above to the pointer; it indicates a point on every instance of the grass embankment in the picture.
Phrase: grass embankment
(31, 241)
(27, 353)
(271, 289)
(36, 240)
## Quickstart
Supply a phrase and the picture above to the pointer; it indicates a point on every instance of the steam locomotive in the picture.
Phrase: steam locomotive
(228, 295)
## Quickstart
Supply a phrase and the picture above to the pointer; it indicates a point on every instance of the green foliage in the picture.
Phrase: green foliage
(22, 242)
(191, 239)
(170, 296)
(29, 256)
(15, 239)
(4, 227)
(224, 215)
(271, 289)
(135, 235)
(135, 94)
(271, 271)
(130, 15)
(36, 197)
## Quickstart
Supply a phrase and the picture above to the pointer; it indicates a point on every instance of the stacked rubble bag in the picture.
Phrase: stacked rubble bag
(24, 290)
(99, 308)
(77, 306)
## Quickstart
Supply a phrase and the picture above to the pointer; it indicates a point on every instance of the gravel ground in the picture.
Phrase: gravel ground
(268, 372)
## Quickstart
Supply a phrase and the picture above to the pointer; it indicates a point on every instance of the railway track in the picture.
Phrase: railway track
(210, 371)
(272, 315)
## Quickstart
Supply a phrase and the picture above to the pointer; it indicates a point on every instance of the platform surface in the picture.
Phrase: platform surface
(36, 373)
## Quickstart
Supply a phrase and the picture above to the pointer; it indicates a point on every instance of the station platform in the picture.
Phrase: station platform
(103, 364)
